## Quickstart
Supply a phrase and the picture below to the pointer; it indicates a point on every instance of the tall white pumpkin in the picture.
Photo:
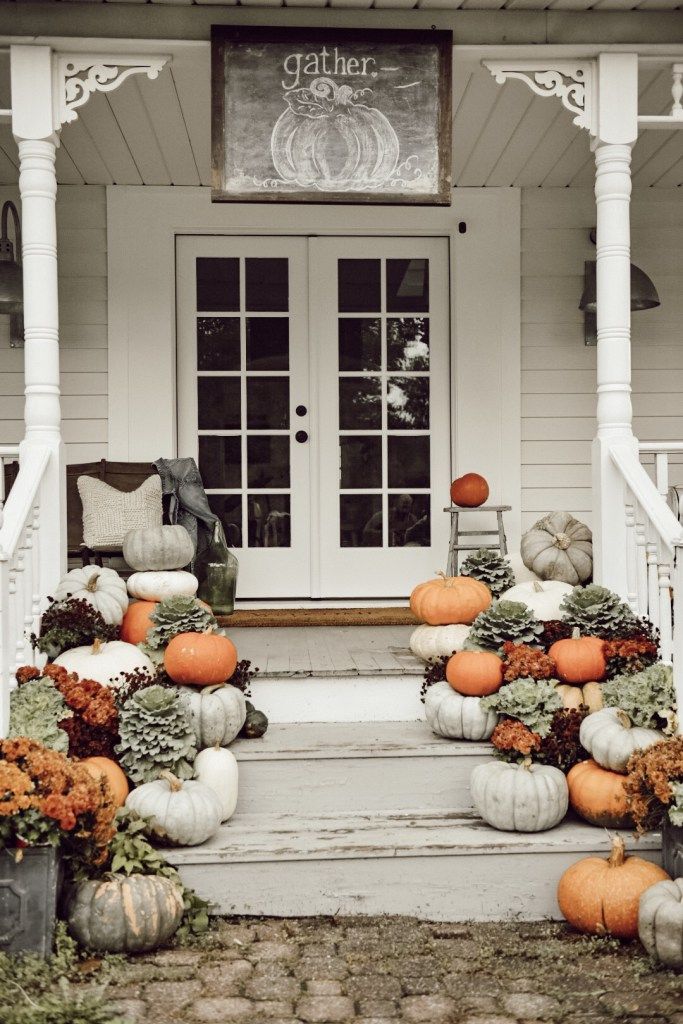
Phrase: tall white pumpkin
(217, 768)
(519, 797)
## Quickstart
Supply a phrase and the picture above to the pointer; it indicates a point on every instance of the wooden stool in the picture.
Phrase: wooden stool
(455, 546)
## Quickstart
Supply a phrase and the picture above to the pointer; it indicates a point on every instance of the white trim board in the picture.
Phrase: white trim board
(143, 222)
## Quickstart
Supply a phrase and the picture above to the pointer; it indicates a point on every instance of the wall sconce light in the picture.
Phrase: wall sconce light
(11, 276)
(643, 296)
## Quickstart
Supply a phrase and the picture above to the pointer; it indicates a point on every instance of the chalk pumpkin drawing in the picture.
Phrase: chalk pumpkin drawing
(328, 139)
(331, 116)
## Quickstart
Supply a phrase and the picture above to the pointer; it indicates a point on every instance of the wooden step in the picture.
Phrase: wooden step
(440, 867)
(328, 767)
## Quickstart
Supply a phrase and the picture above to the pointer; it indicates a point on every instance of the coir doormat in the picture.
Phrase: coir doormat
(319, 617)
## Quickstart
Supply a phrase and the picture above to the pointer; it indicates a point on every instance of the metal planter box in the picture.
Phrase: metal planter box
(672, 848)
(29, 890)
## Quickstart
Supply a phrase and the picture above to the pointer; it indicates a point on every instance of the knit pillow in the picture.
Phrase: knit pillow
(109, 514)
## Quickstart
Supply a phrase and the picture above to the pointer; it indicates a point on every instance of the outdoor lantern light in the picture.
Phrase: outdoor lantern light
(11, 276)
(643, 296)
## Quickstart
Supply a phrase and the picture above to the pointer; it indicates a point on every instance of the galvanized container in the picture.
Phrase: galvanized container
(672, 848)
(29, 889)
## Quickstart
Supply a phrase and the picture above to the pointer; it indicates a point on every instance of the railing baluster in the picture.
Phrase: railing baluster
(652, 578)
(677, 645)
(631, 552)
(665, 618)
(641, 561)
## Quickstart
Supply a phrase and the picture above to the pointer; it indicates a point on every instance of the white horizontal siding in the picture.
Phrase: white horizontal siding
(82, 255)
(558, 371)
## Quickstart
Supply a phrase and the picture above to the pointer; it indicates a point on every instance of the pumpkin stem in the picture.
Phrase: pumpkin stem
(173, 781)
(623, 719)
(97, 643)
(618, 854)
(538, 586)
(526, 764)
(562, 541)
(576, 633)
(91, 585)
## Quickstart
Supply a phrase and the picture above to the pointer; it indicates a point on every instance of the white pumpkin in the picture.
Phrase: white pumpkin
(519, 797)
(158, 548)
(432, 642)
(217, 712)
(610, 739)
(105, 662)
(542, 596)
(158, 586)
(450, 714)
(660, 922)
(559, 547)
(102, 588)
(217, 768)
(522, 574)
(180, 813)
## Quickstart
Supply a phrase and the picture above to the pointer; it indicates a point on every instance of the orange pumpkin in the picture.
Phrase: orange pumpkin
(136, 622)
(601, 895)
(105, 768)
(448, 600)
(598, 795)
(200, 659)
(475, 673)
(469, 491)
(579, 659)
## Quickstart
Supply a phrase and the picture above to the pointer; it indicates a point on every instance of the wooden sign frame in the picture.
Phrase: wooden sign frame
(316, 115)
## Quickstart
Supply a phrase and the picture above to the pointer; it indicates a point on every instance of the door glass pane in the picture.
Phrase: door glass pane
(359, 283)
(267, 284)
(228, 507)
(408, 403)
(408, 460)
(408, 286)
(220, 461)
(408, 343)
(218, 284)
(360, 517)
(360, 403)
(218, 343)
(218, 403)
(267, 403)
(360, 344)
(268, 460)
(267, 343)
(269, 521)
(361, 462)
(409, 520)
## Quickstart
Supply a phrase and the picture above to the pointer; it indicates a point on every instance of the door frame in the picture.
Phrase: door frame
(485, 312)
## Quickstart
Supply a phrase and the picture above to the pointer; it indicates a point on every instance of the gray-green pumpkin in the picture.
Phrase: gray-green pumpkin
(217, 713)
(125, 914)
(660, 922)
(158, 548)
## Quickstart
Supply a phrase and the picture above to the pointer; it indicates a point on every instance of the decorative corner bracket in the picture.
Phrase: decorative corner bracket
(572, 81)
(79, 75)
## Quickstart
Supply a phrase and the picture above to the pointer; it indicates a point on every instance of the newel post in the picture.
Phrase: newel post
(616, 132)
(33, 126)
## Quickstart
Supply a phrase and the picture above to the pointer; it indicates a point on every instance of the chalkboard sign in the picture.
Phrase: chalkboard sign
(331, 116)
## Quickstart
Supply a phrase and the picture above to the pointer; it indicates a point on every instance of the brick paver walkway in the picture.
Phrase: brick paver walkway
(386, 970)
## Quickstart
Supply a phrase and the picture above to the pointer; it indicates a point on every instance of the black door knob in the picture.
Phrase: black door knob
(301, 436)
(301, 410)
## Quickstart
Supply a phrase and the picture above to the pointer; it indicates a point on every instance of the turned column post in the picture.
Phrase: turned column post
(33, 126)
(617, 130)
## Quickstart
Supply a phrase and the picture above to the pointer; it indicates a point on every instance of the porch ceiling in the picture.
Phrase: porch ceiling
(158, 132)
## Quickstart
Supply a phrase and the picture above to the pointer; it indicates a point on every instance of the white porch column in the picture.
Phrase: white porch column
(617, 130)
(33, 126)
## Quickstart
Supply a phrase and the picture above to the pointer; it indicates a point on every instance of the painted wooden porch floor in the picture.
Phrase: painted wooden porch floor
(328, 650)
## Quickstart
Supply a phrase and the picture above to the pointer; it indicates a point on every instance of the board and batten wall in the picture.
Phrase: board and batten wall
(82, 258)
(558, 370)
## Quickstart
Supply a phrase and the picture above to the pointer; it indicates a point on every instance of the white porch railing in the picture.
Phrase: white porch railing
(8, 453)
(21, 521)
(654, 556)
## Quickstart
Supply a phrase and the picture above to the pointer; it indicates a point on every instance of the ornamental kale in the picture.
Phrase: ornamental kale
(533, 702)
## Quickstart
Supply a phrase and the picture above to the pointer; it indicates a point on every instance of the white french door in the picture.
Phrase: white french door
(313, 390)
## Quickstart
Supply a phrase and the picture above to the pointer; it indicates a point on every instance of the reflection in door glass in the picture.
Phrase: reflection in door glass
(408, 403)
(360, 517)
(407, 343)
(360, 344)
(220, 461)
(361, 461)
(360, 403)
(268, 460)
(269, 520)
(228, 507)
(409, 523)
(218, 343)
(408, 286)
(267, 403)
(408, 458)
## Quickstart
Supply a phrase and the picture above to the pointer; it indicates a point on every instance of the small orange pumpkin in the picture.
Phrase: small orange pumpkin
(200, 659)
(137, 622)
(105, 768)
(469, 491)
(601, 895)
(598, 795)
(579, 659)
(449, 600)
(475, 673)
